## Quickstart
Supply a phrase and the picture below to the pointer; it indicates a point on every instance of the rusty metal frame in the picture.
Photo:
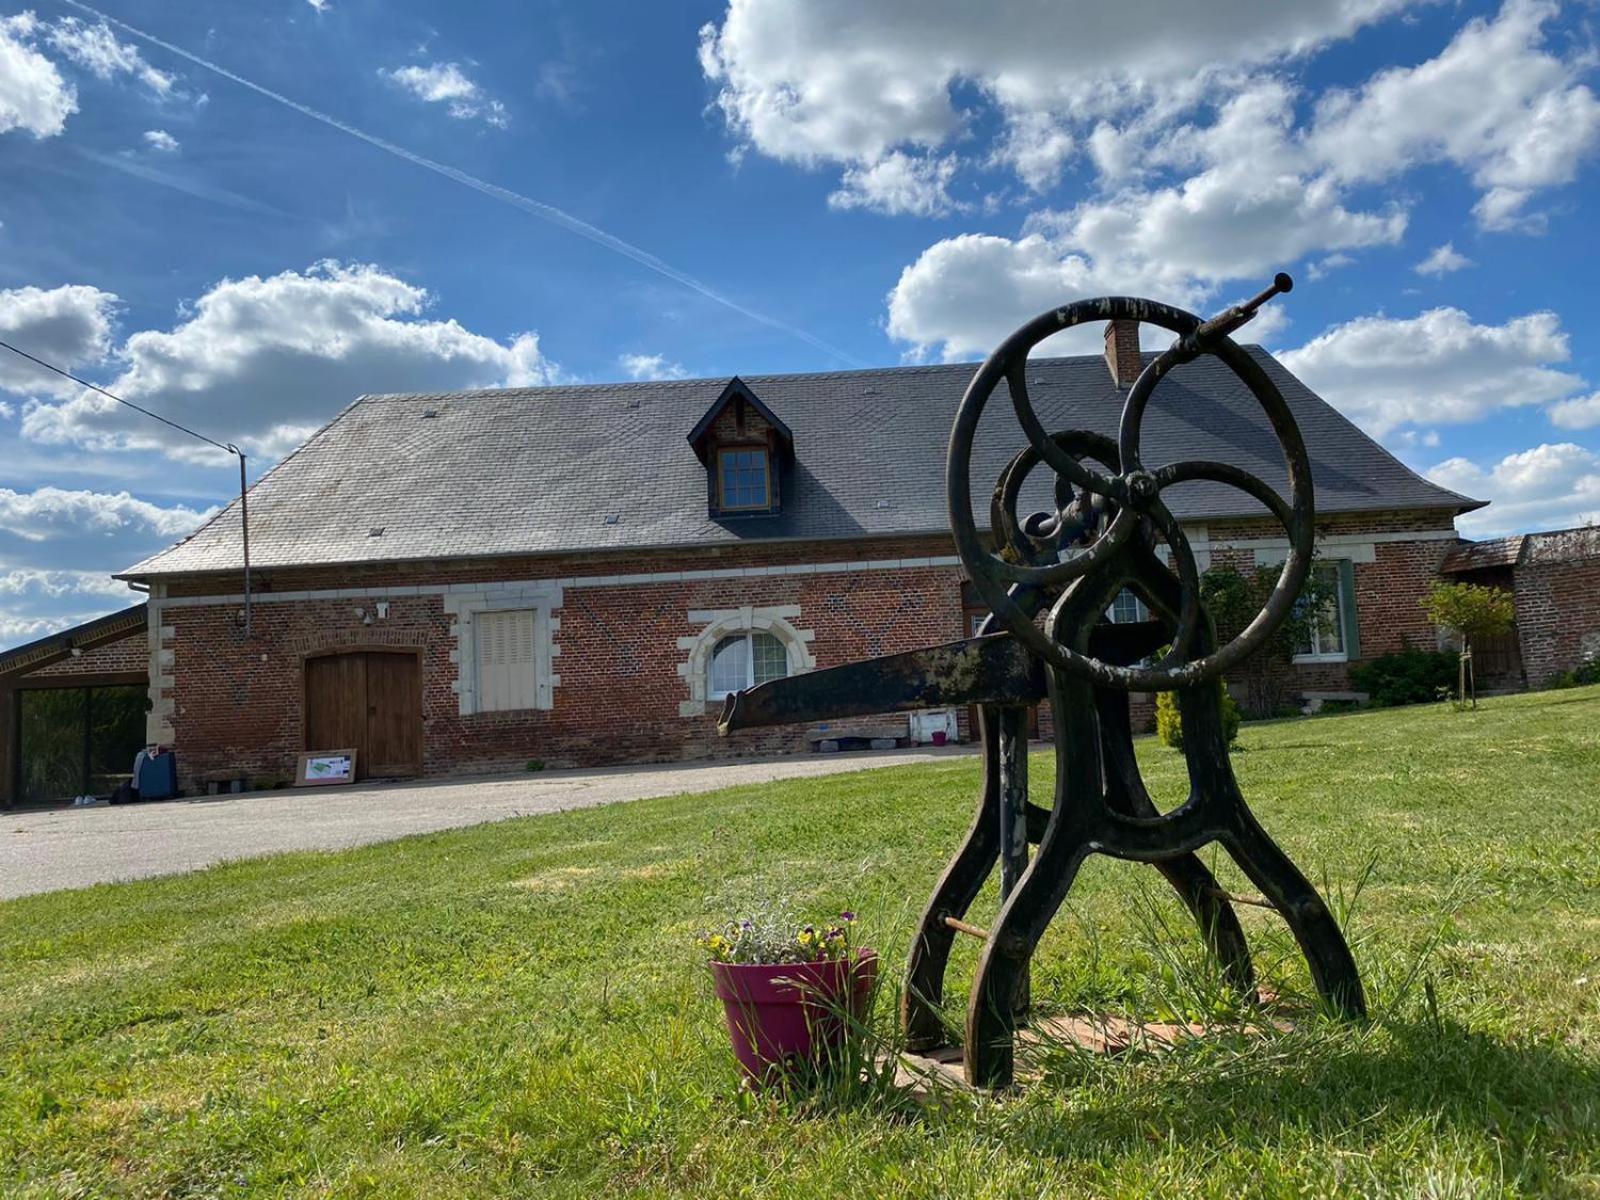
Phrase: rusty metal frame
(1048, 580)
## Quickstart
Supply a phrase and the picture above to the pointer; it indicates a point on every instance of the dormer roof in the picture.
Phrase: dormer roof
(737, 390)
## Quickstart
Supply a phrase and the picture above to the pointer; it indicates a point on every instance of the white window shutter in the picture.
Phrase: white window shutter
(507, 674)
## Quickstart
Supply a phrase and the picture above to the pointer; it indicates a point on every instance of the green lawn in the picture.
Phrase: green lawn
(518, 1009)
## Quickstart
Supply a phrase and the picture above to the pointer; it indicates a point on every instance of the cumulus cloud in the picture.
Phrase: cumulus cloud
(160, 141)
(651, 366)
(1580, 412)
(69, 326)
(898, 184)
(1495, 102)
(1551, 486)
(97, 50)
(33, 96)
(1442, 261)
(1252, 205)
(34, 582)
(263, 360)
(964, 294)
(51, 512)
(816, 81)
(1436, 368)
(446, 83)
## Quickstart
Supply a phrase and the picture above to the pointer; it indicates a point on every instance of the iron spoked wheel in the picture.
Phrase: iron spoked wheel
(1111, 506)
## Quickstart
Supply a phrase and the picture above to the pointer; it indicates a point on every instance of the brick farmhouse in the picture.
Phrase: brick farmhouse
(576, 575)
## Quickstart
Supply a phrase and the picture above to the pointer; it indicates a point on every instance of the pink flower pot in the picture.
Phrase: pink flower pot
(789, 1013)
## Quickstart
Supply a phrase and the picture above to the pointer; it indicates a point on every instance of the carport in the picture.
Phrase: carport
(72, 711)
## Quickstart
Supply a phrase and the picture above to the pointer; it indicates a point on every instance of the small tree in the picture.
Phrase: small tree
(1233, 598)
(1470, 611)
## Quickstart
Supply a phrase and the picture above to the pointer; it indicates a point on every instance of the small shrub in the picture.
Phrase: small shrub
(1409, 676)
(1169, 721)
(1582, 675)
(535, 764)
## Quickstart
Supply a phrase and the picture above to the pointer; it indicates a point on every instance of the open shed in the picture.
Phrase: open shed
(72, 710)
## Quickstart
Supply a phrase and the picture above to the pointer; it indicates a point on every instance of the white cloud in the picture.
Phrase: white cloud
(1436, 368)
(1249, 208)
(160, 141)
(1495, 102)
(1551, 486)
(33, 96)
(1580, 412)
(51, 512)
(37, 582)
(814, 81)
(1442, 261)
(19, 630)
(321, 6)
(898, 184)
(964, 294)
(68, 326)
(446, 83)
(651, 366)
(96, 49)
(261, 361)
(1326, 266)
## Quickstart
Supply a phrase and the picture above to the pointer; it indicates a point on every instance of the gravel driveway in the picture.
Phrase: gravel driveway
(66, 848)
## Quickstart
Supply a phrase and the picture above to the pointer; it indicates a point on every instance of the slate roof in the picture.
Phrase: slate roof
(607, 467)
(1480, 556)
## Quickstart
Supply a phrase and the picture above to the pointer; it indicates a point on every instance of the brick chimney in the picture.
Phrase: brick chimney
(1122, 352)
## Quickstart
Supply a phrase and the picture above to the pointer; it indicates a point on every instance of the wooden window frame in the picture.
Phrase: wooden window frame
(765, 451)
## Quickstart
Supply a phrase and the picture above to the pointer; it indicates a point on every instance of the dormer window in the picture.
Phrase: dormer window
(743, 446)
(743, 479)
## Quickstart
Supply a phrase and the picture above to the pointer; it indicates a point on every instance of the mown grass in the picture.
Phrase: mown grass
(518, 1009)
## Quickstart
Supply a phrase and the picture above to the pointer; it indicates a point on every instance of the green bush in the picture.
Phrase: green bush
(1580, 676)
(1409, 676)
(1169, 721)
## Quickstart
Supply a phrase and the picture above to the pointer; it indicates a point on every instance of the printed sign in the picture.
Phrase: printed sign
(326, 766)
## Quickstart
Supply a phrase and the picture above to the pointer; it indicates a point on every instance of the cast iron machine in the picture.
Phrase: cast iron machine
(1047, 580)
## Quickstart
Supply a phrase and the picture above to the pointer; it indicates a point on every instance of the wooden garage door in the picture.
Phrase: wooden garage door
(369, 700)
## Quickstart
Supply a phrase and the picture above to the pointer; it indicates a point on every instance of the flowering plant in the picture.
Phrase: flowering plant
(771, 939)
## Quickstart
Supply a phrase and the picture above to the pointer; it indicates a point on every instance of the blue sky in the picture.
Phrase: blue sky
(765, 186)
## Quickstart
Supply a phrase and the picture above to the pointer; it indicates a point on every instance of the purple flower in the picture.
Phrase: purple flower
(847, 916)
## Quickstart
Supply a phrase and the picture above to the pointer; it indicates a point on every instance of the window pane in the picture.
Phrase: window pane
(744, 478)
(730, 665)
(1126, 609)
(1325, 635)
(771, 659)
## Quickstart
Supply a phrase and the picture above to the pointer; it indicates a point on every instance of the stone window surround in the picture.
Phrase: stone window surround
(542, 597)
(719, 623)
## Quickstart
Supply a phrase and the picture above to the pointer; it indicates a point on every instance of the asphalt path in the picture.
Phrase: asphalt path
(77, 847)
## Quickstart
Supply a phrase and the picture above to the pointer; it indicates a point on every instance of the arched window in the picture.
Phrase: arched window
(743, 660)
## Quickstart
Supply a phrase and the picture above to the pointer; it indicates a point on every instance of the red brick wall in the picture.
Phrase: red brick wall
(1558, 617)
(130, 654)
(238, 708)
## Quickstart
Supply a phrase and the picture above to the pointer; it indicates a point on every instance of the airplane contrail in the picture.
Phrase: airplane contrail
(546, 212)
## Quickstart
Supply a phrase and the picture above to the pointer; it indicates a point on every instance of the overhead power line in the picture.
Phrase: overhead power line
(228, 448)
(95, 387)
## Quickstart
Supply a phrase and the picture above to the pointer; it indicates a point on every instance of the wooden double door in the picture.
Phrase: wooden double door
(370, 700)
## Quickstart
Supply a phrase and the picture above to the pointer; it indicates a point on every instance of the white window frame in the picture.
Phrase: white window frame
(695, 668)
(543, 597)
(749, 636)
(1341, 619)
(1141, 612)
